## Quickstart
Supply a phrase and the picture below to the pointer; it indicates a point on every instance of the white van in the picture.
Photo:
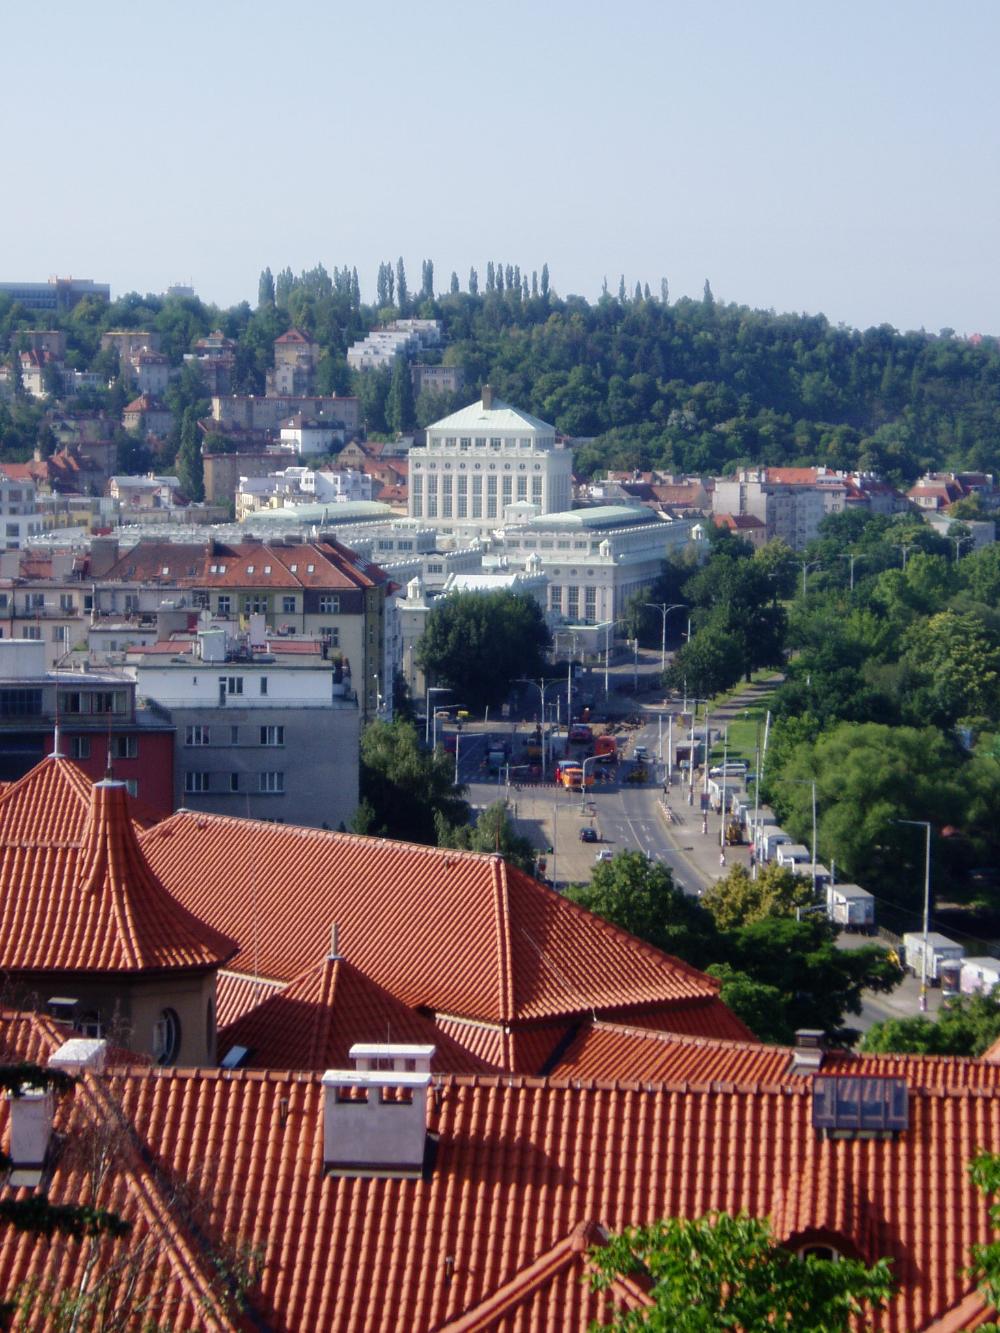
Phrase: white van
(736, 768)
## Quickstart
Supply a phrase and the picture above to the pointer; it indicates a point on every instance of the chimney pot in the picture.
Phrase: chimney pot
(375, 1118)
(487, 397)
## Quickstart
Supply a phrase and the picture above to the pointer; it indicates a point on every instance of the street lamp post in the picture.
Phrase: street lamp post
(806, 566)
(431, 689)
(852, 557)
(540, 686)
(664, 611)
(443, 708)
(925, 825)
(591, 759)
(958, 545)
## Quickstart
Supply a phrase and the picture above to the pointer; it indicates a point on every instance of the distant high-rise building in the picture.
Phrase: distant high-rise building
(56, 294)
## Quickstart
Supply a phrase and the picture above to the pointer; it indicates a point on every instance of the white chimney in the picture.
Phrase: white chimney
(808, 1051)
(375, 1115)
(30, 1131)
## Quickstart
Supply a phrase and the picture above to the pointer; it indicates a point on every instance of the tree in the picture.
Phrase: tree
(473, 282)
(405, 792)
(402, 292)
(544, 286)
(967, 1026)
(265, 289)
(427, 283)
(453, 286)
(641, 897)
(382, 295)
(477, 644)
(725, 1272)
(399, 405)
(190, 466)
(984, 1171)
(737, 900)
(709, 662)
(492, 832)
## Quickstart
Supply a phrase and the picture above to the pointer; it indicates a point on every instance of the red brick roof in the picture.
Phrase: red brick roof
(77, 894)
(459, 933)
(293, 335)
(314, 1022)
(523, 1170)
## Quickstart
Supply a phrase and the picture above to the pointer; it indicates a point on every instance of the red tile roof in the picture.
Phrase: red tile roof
(492, 1238)
(236, 993)
(77, 894)
(459, 932)
(314, 1022)
(792, 476)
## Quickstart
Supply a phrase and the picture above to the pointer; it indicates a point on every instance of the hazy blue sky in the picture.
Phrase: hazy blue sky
(837, 157)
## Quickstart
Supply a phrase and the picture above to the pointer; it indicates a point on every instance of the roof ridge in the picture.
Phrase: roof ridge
(505, 974)
(686, 1038)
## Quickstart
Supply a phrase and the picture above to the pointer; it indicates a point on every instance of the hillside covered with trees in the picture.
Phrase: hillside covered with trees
(687, 386)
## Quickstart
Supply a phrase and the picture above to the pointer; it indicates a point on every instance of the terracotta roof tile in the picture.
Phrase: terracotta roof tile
(77, 894)
(525, 952)
(314, 1022)
(236, 994)
(487, 1240)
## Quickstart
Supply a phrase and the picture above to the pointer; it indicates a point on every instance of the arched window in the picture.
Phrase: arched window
(166, 1037)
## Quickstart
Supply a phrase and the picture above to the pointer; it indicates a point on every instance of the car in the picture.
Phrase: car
(640, 752)
(588, 834)
(736, 768)
(605, 854)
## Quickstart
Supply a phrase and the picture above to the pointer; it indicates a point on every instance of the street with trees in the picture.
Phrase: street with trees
(478, 644)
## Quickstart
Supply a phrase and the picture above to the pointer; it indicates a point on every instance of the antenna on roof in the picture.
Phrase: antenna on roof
(109, 773)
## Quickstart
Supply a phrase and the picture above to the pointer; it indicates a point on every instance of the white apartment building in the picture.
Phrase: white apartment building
(595, 559)
(19, 518)
(479, 461)
(790, 502)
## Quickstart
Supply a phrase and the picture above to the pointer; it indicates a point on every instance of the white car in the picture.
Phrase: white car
(640, 752)
(605, 854)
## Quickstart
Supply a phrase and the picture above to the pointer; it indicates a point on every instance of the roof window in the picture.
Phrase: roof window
(851, 1106)
(250, 569)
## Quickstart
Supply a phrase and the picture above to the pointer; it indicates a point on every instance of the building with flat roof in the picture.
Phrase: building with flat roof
(56, 294)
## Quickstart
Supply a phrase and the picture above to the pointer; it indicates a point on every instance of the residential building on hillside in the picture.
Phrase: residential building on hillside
(58, 294)
(792, 501)
(295, 485)
(222, 471)
(481, 460)
(215, 357)
(747, 527)
(148, 417)
(403, 337)
(266, 414)
(436, 379)
(149, 492)
(129, 342)
(595, 559)
(311, 437)
(98, 719)
(295, 360)
(270, 733)
(19, 519)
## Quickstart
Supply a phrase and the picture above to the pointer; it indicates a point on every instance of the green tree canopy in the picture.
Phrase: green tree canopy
(724, 1272)
(493, 831)
(406, 793)
(966, 1026)
(477, 644)
(737, 900)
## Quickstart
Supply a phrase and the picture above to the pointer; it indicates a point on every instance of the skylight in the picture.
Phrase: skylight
(851, 1104)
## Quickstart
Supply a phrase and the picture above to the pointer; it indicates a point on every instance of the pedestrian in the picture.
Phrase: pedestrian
(722, 858)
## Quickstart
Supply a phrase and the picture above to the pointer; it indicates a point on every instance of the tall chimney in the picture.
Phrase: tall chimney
(30, 1131)
(487, 397)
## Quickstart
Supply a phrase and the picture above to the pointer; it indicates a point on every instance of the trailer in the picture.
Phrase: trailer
(851, 907)
(769, 840)
(979, 975)
(940, 952)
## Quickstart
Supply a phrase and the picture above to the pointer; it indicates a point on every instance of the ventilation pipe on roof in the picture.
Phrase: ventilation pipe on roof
(375, 1115)
(808, 1051)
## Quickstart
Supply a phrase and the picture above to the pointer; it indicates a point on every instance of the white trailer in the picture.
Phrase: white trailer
(940, 952)
(979, 975)
(793, 854)
(851, 906)
(769, 840)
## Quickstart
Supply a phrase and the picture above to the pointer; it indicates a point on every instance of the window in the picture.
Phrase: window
(555, 597)
(224, 605)
(446, 497)
(272, 735)
(196, 734)
(79, 747)
(536, 490)
(35, 601)
(257, 605)
(288, 606)
(230, 685)
(332, 635)
(417, 495)
(195, 782)
(31, 632)
(234, 735)
(590, 604)
(573, 602)
(58, 634)
(20, 703)
(234, 782)
(263, 684)
(166, 1037)
(125, 747)
(491, 497)
(66, 602)
(271, 783)
(329, 605)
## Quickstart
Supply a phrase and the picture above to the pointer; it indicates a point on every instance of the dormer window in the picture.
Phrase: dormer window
(267, 569)
(250, 569)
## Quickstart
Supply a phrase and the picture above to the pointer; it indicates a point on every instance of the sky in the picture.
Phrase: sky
(826, 156)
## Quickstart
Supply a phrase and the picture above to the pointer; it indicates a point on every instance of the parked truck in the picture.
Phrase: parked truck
(606, 749)
(851, 907)
(941, 952)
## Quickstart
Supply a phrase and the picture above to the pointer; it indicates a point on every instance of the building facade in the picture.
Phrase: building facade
(481, 460)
